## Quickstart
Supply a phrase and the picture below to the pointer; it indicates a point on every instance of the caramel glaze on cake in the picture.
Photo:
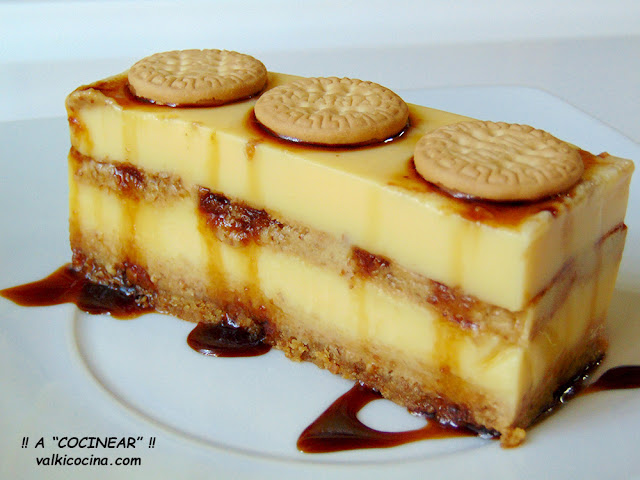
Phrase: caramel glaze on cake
(226, 221)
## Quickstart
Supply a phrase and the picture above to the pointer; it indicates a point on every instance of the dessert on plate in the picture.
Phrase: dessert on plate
(462, 268)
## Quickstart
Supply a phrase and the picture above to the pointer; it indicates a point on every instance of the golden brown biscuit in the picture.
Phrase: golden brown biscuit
(197, 77)
(497, 161)
(332, 111)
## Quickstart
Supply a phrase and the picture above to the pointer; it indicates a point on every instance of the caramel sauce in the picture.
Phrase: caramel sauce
(79, 130)
(624, 377)
(226, 339)
(118, 89)
(339, 428)
(129, 179)
(217, 281)
(618, 378)
(488, 212)
(238, 221)
(484, 211)
(367, 264)
(263, 134)
(67, 285)
(250, 148)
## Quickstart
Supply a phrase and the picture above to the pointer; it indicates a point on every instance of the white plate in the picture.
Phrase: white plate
(63, 373)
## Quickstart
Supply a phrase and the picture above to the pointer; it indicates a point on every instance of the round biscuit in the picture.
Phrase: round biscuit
(332, 111)
(197, 77)
(497, 161)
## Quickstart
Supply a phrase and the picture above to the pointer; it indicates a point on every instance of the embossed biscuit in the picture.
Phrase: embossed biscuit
(197, 77)
(497, 161)
(332, 111)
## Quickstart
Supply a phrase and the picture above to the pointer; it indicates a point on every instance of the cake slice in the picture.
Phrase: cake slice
(468, 309)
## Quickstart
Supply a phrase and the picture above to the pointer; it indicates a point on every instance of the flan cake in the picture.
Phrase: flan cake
(469, 309)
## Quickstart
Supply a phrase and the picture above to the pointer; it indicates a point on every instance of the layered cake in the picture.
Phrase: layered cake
(461, 268)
